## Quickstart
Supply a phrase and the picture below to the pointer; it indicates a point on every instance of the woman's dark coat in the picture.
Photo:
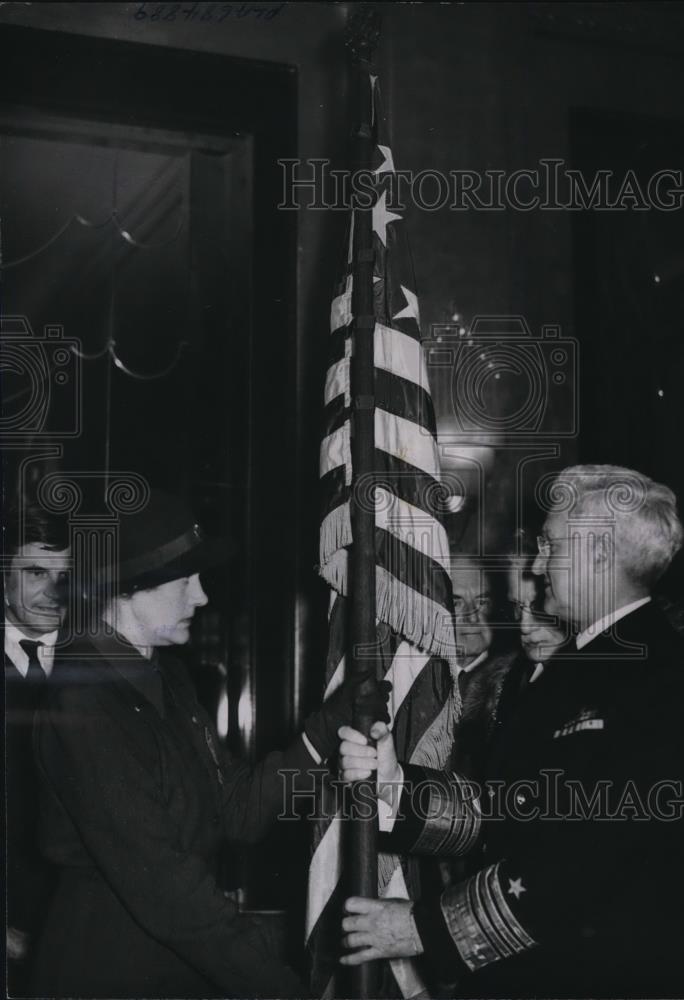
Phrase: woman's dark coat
(137, 797)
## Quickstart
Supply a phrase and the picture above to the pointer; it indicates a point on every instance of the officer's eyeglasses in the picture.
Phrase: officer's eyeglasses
(518, 609)
(535, 610)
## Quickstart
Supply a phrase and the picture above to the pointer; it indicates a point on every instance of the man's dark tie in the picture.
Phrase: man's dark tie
(35, 674)
(464, 679)
(516, 684)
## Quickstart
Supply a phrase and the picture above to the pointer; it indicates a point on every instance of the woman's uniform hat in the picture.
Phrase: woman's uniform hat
(161, 542)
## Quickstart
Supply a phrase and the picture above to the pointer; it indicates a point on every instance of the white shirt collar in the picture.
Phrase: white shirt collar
(537, 672)
(589, 634)
(17, 656)
(476, 662)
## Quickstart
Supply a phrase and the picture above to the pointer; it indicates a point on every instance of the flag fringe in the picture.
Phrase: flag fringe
(419, 620)
(423, 623)
(336, 534)
(434, 747)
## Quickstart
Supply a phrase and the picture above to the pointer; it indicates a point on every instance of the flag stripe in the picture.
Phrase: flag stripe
(340, 309)
(325, 870)
(325, 940)
(335, 450)
(400, 354)
(334, 490)
(410, 567)
(404, 398)
(410, 523)
(408, 526)
(410, 484)
(407, 441)
(337, 345)
(431, 688)
(337, 383)
(394, 475)
(396, 354)
(335, 415)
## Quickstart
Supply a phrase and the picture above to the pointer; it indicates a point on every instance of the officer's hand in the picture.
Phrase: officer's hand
(358, 760)
(379, 928)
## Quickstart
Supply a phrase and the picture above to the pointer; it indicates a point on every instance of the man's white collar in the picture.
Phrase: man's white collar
(14, 634)
(585, 637)
(18, 656)
(476, 662)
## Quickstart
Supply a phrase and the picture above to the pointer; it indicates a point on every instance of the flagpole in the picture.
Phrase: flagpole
(362, 847)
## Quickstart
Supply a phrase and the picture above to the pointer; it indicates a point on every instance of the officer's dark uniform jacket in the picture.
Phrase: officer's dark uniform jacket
(581, 823)
(138, 796)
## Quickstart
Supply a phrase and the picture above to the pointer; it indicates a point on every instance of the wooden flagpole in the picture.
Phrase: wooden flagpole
(362, 849)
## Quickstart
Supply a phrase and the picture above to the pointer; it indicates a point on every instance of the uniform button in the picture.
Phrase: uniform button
(195, 719)
(520, 799)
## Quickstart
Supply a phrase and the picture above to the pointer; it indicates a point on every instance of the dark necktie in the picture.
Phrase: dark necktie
(515, 685)
(35, 673)
(464, 679)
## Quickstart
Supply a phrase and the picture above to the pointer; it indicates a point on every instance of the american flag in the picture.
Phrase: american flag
(414, 601)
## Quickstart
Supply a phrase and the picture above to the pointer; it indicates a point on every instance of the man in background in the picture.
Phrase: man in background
(35, 576)
(541, 635)
(484, 662)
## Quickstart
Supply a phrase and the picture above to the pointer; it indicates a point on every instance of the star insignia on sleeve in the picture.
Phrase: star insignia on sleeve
(515, 887)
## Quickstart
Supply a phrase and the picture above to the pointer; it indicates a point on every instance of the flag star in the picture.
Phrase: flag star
(387, 165)
(410, 310)
(515, 887)
(382, 218)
